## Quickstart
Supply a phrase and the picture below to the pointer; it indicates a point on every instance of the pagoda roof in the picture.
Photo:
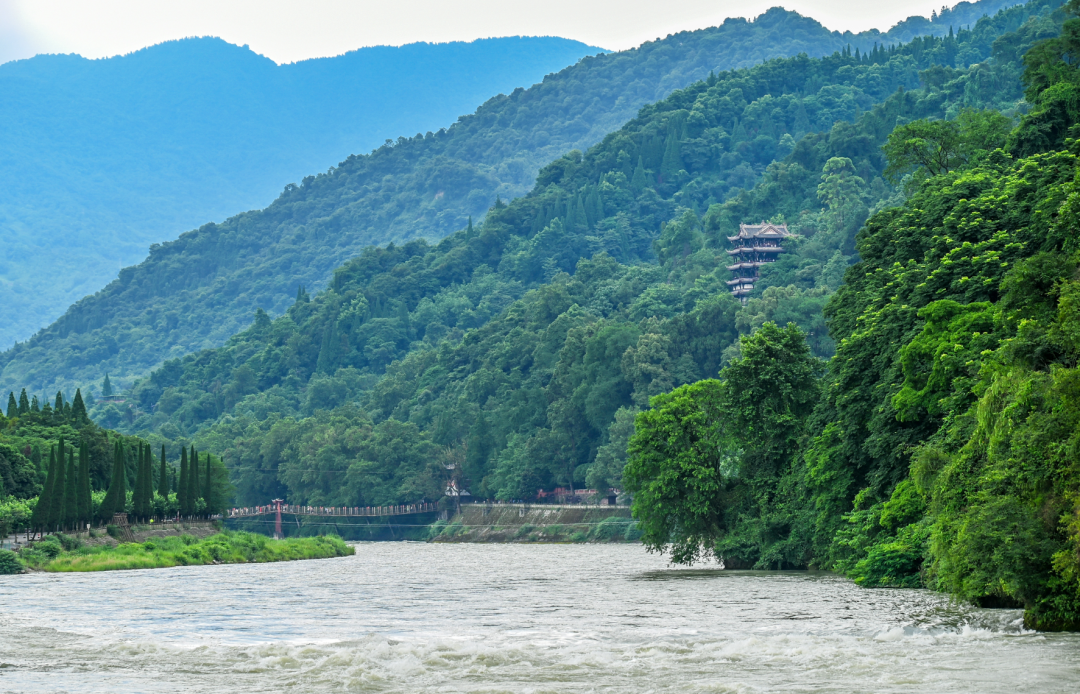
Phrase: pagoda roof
(761, 231)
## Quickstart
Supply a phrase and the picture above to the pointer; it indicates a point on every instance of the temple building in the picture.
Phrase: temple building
(755, 245)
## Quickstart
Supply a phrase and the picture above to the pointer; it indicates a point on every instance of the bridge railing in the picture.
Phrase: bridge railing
(341, 511)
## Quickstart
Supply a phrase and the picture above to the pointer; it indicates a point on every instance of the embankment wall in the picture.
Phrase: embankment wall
(537, 523)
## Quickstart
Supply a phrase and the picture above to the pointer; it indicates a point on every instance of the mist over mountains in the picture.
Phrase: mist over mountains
(105, 157)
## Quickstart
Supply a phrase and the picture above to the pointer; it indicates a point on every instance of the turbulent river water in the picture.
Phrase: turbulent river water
(413, 617)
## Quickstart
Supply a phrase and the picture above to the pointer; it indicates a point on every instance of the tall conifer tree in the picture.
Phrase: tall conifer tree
(116, 497)
(12, 406)
(86, 503)
(58, 504)
(71, 492)
(194, 491)
(182, 484)
(78, 409)
(138, 504)
(208, 490)
(24, 402)
(163, 477)
(39, 519)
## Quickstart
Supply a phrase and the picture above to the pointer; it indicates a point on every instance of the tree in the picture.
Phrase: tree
(677, 464)
(163, 476)
(182, 484)
(116, 498)
(13, 407)
(71, 492)
(931, 147)
(78, 409)
(40, 517)
(208, 486)
(107, 388)
(840, 189)
(194, 490)
(58, 503)
(24, 403)
(85, 498)
(138, 497)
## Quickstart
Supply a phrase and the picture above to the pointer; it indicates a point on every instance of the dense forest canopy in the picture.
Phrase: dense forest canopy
(526, 344)
(105, 157)
(197, 291)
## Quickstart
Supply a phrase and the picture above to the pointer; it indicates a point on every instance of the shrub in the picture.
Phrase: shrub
(9, 563)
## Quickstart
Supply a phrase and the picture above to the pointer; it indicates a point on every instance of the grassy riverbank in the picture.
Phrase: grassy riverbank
(62, 553)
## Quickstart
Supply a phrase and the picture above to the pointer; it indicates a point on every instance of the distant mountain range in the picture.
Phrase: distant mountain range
(197, 291)
(104, 157)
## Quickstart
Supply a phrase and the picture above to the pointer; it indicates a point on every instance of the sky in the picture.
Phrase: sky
(288, 31)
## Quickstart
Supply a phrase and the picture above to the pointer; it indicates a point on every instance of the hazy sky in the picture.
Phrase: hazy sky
(288, 30)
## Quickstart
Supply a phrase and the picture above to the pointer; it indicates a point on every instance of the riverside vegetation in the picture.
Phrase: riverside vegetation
(897, 400)
(62, 553)
(197, 291)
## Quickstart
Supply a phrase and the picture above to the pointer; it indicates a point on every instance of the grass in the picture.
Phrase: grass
(62, 554)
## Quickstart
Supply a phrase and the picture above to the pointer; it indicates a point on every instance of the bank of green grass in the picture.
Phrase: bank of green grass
(64, 554)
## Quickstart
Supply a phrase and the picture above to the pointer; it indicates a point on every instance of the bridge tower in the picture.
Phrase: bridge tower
(278, 534)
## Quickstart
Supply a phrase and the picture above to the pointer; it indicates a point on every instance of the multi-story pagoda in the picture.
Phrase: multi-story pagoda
(755, 245)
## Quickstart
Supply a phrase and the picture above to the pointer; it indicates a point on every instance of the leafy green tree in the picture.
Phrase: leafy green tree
(933, 147)
(194, 487)
(678, 465)
(24, 403)
(13, 407)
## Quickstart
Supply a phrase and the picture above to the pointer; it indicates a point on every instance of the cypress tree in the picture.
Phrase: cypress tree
(138, 503)
(59, 406)
(71, 492)
(182, 484)
(163, 477)
(207, 487)
(39, 519)
(78, 408)
(35, 406)
(86, 503)
(24, 402)
(57, 504)
(194, 491)
(106, 388)
(148, 493)
(12, 406)
(116, 497)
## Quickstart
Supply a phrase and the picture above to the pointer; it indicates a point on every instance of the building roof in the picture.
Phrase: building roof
(761, 231)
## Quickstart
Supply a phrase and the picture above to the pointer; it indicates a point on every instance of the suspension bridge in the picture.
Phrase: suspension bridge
(339, 517)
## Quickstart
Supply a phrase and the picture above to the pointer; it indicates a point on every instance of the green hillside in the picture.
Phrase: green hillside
(103, 158)
(197, 291)
(527, 344)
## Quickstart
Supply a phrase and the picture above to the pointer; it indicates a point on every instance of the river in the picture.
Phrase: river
(414, 617)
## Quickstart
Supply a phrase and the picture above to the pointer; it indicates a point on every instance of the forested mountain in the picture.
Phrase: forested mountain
(197, 291)
(105, 157)
(525, 345)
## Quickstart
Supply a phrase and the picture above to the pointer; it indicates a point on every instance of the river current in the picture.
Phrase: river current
(414, 617)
